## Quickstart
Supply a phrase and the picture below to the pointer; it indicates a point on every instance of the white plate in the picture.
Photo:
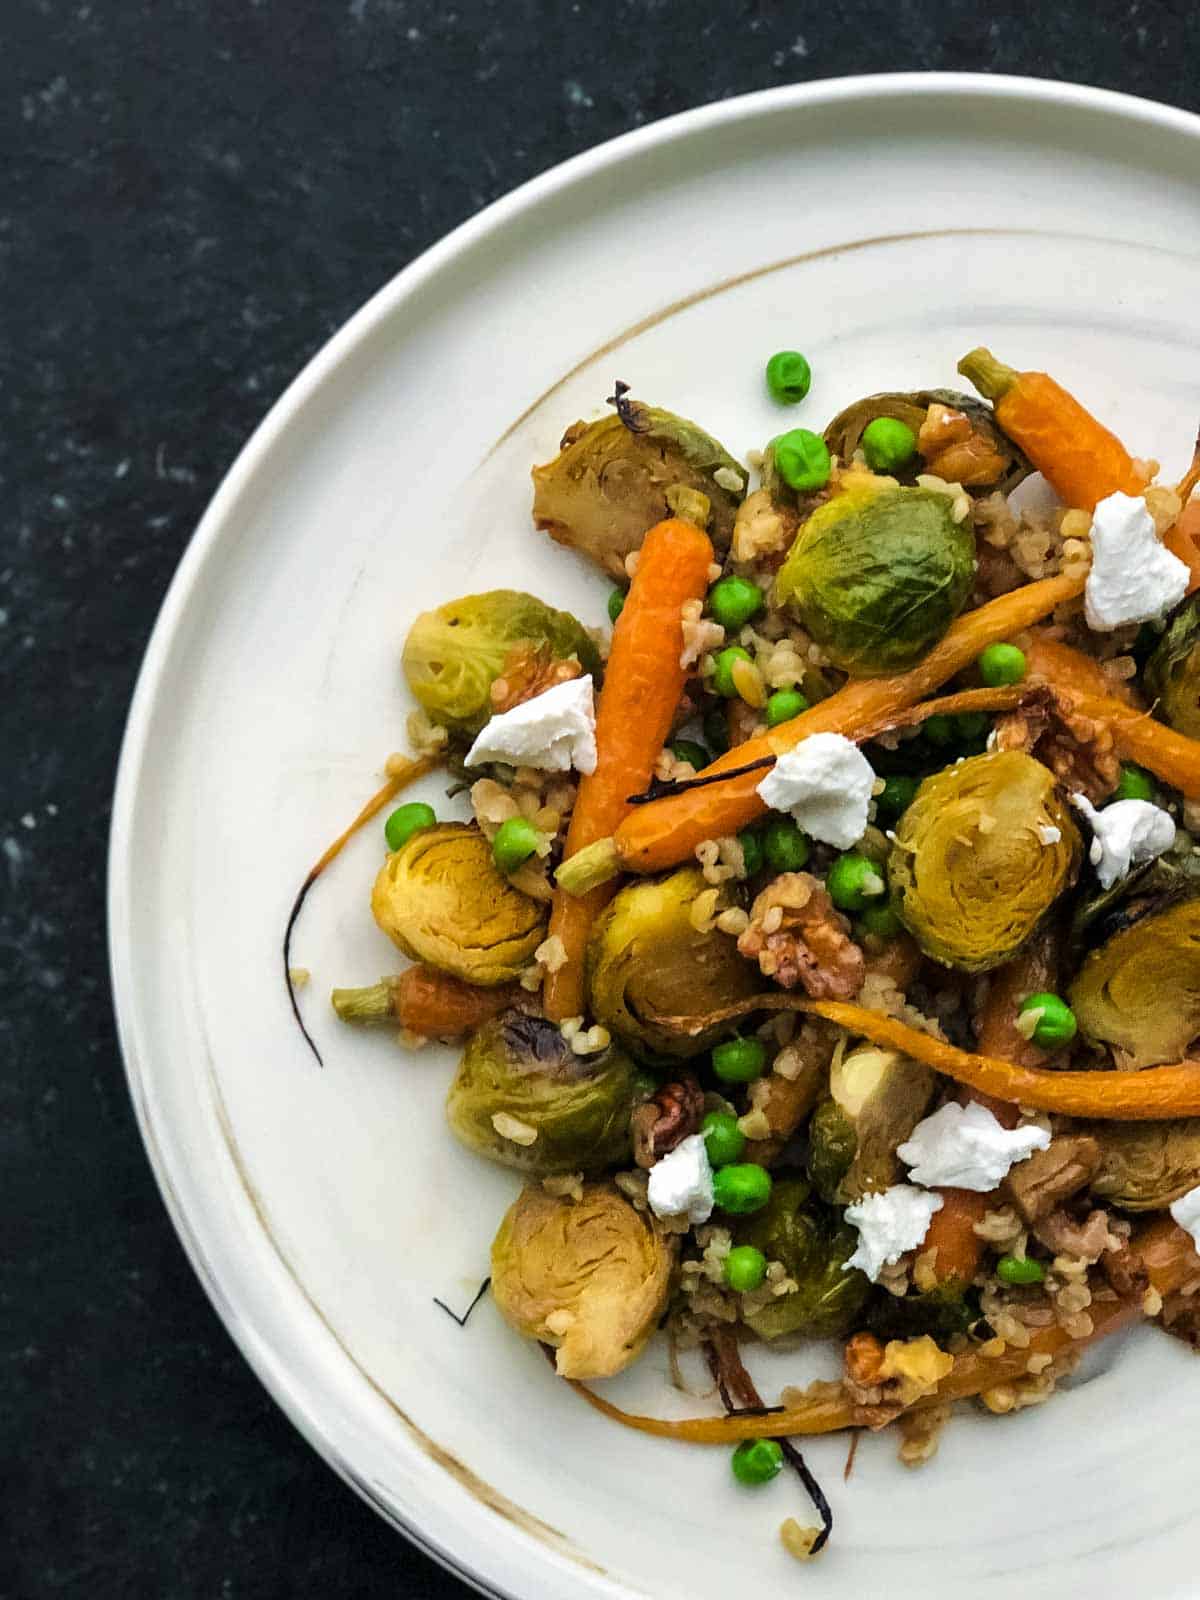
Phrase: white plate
(883, 225)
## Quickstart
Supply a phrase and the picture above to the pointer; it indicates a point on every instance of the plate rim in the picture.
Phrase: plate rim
(268, 1364)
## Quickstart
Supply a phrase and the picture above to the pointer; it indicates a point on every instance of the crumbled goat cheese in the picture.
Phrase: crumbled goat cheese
(966, 1147)
(1124, 835)
(1133, 578)
(826, 784)
(552, 732)
(889, 1226)
(1048, 833)
(1186, 1212)
(682, 1182)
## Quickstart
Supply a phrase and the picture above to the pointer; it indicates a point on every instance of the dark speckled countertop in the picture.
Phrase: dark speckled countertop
(194, 194)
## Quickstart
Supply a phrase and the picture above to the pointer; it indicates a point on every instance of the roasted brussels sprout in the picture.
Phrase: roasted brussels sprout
(978, 456)
(1172, 674)
(646, 960)
(1146, 1165)
(588, 1276)
(1139, 992)
(453, 655)
(813, 1242)
(1175, 875)
(979, 858)
(442, 900)
(878, 575)
(608, 485)
(876, 1098)
(524, 1098)
(941, 1312)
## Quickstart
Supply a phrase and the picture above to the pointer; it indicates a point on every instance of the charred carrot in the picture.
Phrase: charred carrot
(1082, 460)
(425, 1001)
(1171, 756)
(660, 835)
(642, 685)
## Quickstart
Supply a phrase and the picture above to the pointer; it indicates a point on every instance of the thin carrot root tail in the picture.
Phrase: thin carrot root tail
(588, 868)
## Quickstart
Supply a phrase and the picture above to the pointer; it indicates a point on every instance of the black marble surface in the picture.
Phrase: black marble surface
(193, 195)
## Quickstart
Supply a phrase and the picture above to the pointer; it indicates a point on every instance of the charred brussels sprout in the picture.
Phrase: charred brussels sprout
(878, 575)
(1173, 672)
(813, 1243)
(940, 1312)
(647, 962)
(453, 655)
(974, 452)
(876, 1098)
(1146, 1165)
(522, 1097)
(971, 876)
(1139, 993)
(442, 900)
(589, 1277)
(608, 485)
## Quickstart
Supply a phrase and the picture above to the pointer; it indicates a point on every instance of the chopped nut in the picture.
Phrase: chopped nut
(665, 1120)
(527, 671)
(1079, 750)
(1039, 1185)
(797, 937)
(864, 1360)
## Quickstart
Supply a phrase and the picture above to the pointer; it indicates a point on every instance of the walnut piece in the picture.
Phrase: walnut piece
(529, 670)
(1039, 1185)
(666, 1120)
(1126, 1272)
(797, 937)
(1077, 749)
(1084, 1239)
(951, 448)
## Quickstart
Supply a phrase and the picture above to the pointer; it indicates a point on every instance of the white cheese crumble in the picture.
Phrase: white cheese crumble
(681, 1184)
(826, 784)
(889, 1226)
(1124, 835)
(552, 732)
(1133, 578)
(1186, 1212)
(967, 1147)
(1048, 833)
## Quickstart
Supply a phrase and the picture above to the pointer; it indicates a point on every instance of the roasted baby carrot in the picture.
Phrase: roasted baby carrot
(642, 685)
(1081, 459)
(425, 1001)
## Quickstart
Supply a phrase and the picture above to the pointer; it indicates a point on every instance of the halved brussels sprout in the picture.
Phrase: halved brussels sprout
(813, 1242)
(988, 459)
(522, 1097)
(441, 899)
(1139, 992)
(588, 1276)
(971, 876)
(1175, 875)
(1146, 1165)
(876, 1098)
(878, 575)
(1172, 673)
(453, 655)
(608, 485)
(646, 960)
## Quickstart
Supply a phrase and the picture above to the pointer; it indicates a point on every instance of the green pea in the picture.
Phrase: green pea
(723, 1139)
(802, 459)
(722, 678)
(783, 705)
(688, 750)
(616, 604)
(1000, 664)
(1056, 1026)
(897, 795)
(784, 845)
(939, 729)
(742, 1187)
(880, 921)
(888, 444)
(732, 601)
(1135, 784)
(757, 1461)
(716, 730)
(407, 820)
(853, 882)
(515, 841)
(752, 851)
(739, 1060)
(745, 1268)
(788, 377)
(1017, 1269)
